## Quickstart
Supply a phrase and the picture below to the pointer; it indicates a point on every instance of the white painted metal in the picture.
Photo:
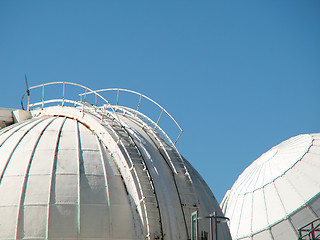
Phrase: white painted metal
(88, 91)
(20, 115)
(6, 117)
(278, 193)
(88, 172)
(118, 90)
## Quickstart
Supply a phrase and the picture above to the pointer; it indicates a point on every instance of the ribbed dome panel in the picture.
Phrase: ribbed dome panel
(278, 193)
(84, 173)
(54, 184)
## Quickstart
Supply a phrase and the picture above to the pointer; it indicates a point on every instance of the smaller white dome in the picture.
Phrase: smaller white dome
(278, 193)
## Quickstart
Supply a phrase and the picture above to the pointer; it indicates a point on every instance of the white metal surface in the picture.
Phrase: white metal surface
(278, 193)
(88, 172)
(6, 117)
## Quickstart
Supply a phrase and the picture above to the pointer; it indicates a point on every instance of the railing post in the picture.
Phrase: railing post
(84, 100)
(42, 96)
(138, 105)
(63, 90)
(28, 102)
(117, 98)
(215, 226)
(194, 232)
(158, 119)
(211, 230)
(177, 138)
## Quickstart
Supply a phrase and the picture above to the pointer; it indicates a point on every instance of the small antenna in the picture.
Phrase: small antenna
(28, 92)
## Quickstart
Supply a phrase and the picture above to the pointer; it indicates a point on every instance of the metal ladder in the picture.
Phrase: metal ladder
(139, 172)
(188, 198)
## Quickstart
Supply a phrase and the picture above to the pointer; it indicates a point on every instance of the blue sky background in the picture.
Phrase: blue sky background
(239, 76)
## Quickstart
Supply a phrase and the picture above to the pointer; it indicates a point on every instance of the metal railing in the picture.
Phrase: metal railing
(85, 92)
(214, 220)
(310, 231)
(141, 97)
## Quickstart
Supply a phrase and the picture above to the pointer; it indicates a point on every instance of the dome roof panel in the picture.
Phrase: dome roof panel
(259, 214)
(273, 204)
(245, 221)
(282, 182)
(10, 191)
(92, 178)
(37, 190)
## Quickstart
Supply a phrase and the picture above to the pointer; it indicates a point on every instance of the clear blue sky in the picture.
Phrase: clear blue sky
(239, 76)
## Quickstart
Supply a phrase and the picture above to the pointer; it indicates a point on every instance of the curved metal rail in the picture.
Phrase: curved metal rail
(85, 91)
(63, 100)
(141, 96)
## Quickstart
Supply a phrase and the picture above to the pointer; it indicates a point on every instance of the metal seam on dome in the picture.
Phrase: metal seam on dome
(232, 210)
(246, 178)
(172, 167)
(14, 148)
(103, 163)
(150, 179)
(265, 206)
(307, 151)
(282, 219)
(169, 166)
(174, 171)
(240, 216)
(119, 141)
(26, 175)
(251, 220)
(263, 173)
(16, 130)
(9, 127)
(270, 232)
(84, 122)
(53, 168)
(292, 226)
(78, 146)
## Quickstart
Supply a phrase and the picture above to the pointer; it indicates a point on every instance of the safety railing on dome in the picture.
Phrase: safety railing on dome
(83, 102)
(311, 231)
(214, 220)
(136, 112)
(63, 100)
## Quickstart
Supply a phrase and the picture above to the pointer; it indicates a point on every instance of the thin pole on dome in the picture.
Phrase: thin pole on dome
(28, 92)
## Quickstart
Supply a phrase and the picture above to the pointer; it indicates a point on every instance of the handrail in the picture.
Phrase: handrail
(118, 90)
(87, 91)
(133, 113)
(63, 99)
(309, 230)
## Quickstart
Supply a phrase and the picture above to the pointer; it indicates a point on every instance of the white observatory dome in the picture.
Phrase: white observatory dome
(78, 171)
(278, 193)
